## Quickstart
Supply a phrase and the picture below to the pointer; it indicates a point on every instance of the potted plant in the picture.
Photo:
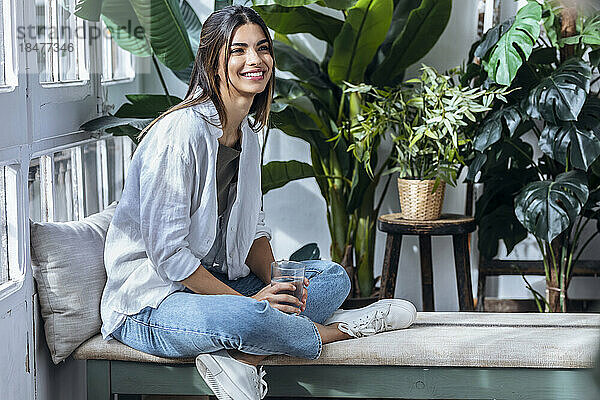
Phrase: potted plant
(552, 192)
(426, 117)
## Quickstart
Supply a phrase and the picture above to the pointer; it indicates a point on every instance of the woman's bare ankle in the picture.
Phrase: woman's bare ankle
(331, 333)
(250, 359)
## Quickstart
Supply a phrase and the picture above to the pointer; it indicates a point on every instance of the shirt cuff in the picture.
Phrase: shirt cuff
(180, 265)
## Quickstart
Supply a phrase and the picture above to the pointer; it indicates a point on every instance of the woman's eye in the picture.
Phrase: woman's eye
(235, 51)
(263, 48)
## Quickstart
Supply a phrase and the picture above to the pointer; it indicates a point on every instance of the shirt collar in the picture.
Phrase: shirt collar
(209, 111)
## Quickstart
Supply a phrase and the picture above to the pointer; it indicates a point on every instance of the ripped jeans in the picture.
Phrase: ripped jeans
(186, 324)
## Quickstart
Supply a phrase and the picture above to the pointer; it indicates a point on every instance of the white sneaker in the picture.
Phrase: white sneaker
(230, 379)
(381, 316)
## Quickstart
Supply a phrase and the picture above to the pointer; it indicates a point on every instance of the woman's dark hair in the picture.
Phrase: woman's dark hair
(217, 33)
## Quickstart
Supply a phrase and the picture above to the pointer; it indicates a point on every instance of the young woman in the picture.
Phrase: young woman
(187, 253)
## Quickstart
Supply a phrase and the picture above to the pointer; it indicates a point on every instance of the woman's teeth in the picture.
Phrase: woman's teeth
(253, 74)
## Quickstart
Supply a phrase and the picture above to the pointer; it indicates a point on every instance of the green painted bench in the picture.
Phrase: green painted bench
(442, 356)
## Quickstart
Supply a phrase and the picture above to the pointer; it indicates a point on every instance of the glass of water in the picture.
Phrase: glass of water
(289, 272)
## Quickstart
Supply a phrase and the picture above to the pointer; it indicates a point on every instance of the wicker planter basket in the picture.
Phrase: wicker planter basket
(417, 201)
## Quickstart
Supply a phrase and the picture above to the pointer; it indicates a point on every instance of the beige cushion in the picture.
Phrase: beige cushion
(68, 267)
(484, 340)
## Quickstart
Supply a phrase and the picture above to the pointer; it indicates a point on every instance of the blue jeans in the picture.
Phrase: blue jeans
(186, 324)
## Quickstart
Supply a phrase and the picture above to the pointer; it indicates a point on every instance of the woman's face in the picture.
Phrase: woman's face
(250, 62)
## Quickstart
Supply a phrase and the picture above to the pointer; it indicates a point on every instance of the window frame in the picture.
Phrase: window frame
(83, 50)
(106, 59)
(10, 50)
(17, 239)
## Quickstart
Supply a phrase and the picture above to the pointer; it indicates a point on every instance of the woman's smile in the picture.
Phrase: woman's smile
(250, 61)
(254, 75)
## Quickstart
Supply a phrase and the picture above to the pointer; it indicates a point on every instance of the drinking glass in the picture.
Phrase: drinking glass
(288, 271)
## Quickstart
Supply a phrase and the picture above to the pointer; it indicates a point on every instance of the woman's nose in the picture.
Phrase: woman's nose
(252, 57)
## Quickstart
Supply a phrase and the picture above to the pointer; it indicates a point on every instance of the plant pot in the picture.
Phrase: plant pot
(418, 201)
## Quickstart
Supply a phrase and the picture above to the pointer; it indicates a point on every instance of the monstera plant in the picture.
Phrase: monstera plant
(366, 41)
(537, 154)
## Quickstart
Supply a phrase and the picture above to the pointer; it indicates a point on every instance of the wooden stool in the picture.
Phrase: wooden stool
(459, 226)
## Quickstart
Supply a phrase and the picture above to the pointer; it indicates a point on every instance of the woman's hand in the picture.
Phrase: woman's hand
(279, 296)
(304, 294)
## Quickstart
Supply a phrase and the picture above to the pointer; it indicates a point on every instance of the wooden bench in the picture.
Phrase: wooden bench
(442, 356)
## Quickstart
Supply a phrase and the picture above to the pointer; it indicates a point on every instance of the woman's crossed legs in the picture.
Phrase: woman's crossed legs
(186, 324)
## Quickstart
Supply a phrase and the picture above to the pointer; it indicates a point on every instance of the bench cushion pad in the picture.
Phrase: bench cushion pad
(484, 340)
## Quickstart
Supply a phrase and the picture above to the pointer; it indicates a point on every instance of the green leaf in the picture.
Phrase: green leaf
(164, 28)
(193, 27)
(498, 224)
(145, 105)
(192, 24)
(491, 37)
(515, 46)
(110, 121)
(184, 75)
(309, 251)
(423, 28)
(589, 118)
(295, 123)
(300, 20)
(126, 130)
(360, 183)
(276, 174)
(302, 67)
(551, 20)
(284, 3)
(364, 30)
(125, 27)
(402, 10)
(220, 4)
(580, 145)
(595, 57)
(475, 166)
(88, 9)
(288, 89)
(547, 208)
(579, 140)
(560, 96)
(590, 34)
(339, 4)
(491, 128)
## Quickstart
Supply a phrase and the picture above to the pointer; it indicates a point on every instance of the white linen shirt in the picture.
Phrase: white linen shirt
(165, 222)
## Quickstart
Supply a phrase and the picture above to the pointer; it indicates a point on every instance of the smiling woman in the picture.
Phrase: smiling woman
(187, 229)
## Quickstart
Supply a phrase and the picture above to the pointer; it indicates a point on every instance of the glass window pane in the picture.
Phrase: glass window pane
(2, 56)
(116, 62)
(65, 195)
(90, 179)
(40, 17)
(62, 51)
(114, 151)
(4, 267)
(34, 185)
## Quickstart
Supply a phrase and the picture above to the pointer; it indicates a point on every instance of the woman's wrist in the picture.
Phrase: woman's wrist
(201, 281)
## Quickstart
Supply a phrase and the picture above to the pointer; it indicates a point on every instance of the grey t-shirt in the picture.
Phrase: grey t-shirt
(227, 174)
